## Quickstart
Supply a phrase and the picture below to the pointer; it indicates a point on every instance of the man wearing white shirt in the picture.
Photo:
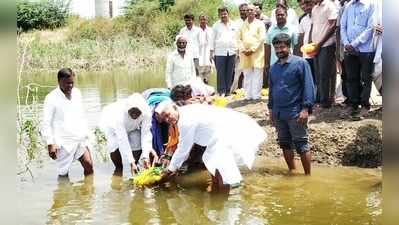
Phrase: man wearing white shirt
(224, 48)
(179, 66)
(65, 129)
(191, 32)
(210, 126)
(324, 17)
(305, 25)
(205, 35)
(126, 124)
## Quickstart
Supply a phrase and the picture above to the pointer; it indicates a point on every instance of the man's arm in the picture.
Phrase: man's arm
(330, 31)
(47, 129)
(186, 141)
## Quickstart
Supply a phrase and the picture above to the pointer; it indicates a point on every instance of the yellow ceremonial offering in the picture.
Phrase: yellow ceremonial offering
(220, 101)
(148, 177)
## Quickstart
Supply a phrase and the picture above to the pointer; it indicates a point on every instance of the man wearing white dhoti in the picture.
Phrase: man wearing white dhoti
(65, 129)
(212, 126)
(126, 124)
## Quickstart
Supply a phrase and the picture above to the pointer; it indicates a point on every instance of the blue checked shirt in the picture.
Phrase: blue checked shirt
(291, 88)
(357, 25)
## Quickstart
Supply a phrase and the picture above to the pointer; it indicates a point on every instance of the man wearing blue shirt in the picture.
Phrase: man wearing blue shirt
(291, 98)
(357, 38)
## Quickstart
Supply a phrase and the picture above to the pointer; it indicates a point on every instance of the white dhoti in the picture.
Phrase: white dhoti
(231, 147)
(133, 136)
(65, 157)
(253, 81)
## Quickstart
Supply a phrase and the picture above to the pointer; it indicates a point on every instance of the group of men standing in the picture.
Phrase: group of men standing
(346, 35)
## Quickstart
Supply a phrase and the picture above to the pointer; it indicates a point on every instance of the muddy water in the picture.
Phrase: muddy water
(268, 194)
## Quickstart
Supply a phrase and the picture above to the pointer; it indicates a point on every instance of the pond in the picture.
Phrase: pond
(268, 195)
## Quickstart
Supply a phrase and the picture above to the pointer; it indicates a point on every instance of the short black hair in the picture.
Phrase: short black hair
(242, 5)
(223, 9)
(282, 38)
(283, 7)
(259, 4)
(189, 16)
(65, 73)
(181, 92)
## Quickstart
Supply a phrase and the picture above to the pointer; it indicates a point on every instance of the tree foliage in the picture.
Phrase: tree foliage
(44, 14)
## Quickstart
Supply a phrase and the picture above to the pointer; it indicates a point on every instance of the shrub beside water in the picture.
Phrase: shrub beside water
(44, 14)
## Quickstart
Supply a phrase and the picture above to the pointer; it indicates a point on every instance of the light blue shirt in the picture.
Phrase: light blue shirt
(272, 32)
(357, 25)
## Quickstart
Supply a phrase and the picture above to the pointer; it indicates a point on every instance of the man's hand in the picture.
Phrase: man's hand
(303, 116)
(379, 29)
(211, 57)
(349, 48)
(165, 160)
(271, 119)
(52, 151)
(133, 168)
(155, 157)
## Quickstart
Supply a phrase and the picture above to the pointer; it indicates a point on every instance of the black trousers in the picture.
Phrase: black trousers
(359, 68)
(224, 73)
(326, 74)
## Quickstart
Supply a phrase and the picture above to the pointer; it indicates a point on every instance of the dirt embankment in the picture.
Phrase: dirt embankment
(334, 141)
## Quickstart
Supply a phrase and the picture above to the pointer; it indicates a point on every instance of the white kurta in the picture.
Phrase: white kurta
(204, 41)
(193, 39)
(65, 125)
(229, 137)
(118, 126)
(179, 69)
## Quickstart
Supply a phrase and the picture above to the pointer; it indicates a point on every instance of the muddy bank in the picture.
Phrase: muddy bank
(334, 141)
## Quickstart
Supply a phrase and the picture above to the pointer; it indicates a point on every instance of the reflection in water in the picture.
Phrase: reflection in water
(72, 202)
(267, 196)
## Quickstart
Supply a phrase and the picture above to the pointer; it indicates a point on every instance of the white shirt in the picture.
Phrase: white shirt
(117, 124)
(212, 126)
(321, 14)
(224, 40)
(292, 19)
(204, 37)
(64, 123)
(193, 39)
(304, 28)
(179, 69)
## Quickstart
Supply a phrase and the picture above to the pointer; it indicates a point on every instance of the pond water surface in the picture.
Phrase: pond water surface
(268, 195)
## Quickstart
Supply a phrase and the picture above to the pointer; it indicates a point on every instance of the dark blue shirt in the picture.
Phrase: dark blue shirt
(290, 88)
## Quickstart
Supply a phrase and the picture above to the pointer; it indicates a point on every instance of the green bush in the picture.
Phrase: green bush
(93, 29)
(44, 14)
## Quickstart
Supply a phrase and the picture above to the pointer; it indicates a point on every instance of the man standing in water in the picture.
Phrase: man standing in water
(291, 98)
(65, 129)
